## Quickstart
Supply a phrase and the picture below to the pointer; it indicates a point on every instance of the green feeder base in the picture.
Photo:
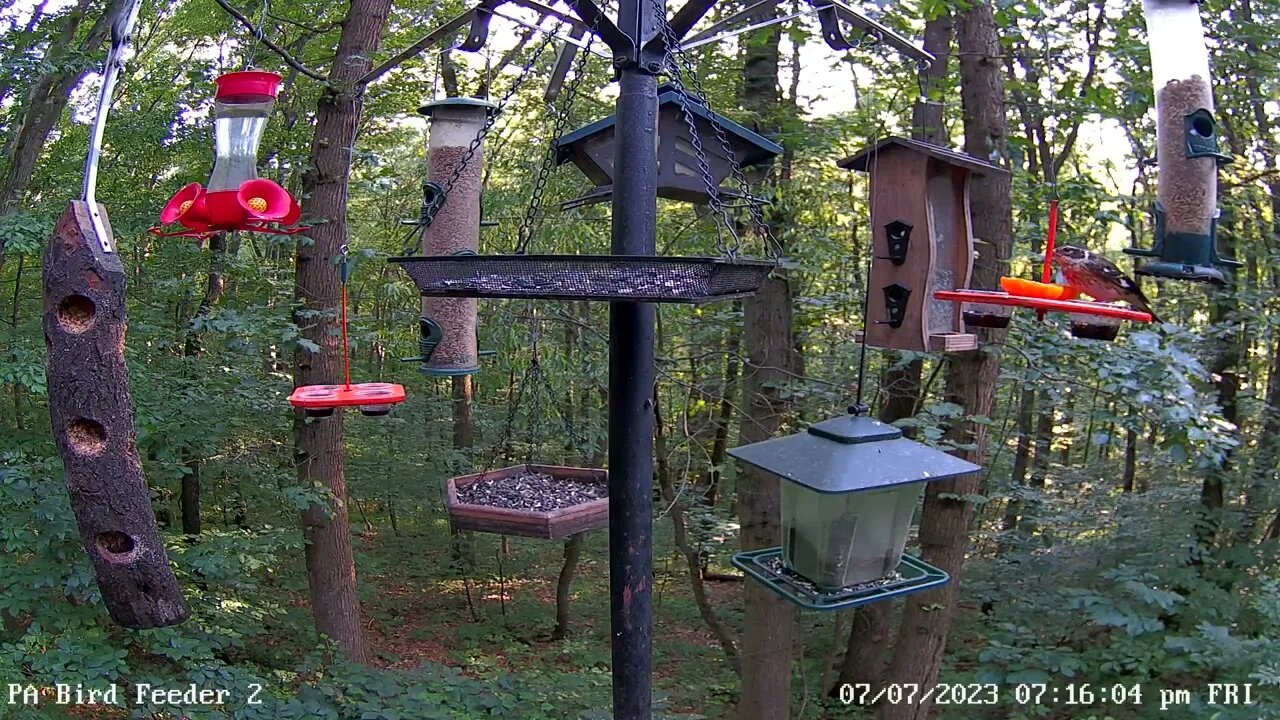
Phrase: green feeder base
(765, 566)
(447, 372)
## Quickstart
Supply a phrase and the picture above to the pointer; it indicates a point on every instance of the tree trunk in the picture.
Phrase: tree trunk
(768, 347)
(217, 285)
(866, 654)
(728, 394)
(564, 585)
(321, 461)
(972, 377)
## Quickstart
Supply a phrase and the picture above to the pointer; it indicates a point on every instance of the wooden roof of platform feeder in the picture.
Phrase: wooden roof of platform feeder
(862, 160)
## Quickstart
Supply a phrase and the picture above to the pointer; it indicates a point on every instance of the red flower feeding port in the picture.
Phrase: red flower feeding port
(236, 199)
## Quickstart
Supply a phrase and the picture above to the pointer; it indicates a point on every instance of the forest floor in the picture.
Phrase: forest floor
(499, 616)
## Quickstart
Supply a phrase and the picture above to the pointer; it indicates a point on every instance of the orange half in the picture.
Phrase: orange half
(1032, 289)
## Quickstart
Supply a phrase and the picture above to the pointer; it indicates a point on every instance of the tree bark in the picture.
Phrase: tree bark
(971, 377)
(217, 285)
(866, 654)
(564, 585)
(331, 572)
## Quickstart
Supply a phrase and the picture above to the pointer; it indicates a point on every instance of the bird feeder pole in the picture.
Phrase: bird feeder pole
(631, 368)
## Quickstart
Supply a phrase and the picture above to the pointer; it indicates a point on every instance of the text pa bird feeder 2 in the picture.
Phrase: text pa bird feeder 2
(1188, 153)
(922, 242)
(372, 399)
(549, 502)
(850, 487)
(591, 150)
(236, 199)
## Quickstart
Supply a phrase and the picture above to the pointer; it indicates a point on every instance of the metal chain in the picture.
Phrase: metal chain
(525, 73)
(679, 67)
(528, 226)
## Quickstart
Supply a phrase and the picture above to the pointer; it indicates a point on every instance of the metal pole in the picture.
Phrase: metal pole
(631, 376)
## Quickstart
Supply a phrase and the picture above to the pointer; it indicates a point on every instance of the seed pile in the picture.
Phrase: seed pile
(457, 318)
(776, 565)
(1188, 186)
(583, 285)
(531, 491)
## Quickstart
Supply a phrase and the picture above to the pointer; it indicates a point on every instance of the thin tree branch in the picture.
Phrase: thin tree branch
(289, 60)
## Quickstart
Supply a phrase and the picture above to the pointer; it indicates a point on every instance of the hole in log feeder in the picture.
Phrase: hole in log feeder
(86, 436)
(115, 544)
(75, 314)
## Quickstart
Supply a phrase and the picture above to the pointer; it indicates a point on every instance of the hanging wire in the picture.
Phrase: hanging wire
(259, 34)
(878, 130)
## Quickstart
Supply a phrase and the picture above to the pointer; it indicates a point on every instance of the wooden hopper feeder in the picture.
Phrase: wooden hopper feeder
(591, 149)
(547, 525)
(922, 243)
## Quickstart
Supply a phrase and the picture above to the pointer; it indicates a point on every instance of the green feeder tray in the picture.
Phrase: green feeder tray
(765, 566)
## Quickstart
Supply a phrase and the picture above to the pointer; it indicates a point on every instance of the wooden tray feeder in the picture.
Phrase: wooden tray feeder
(554, 523)
(922, 242)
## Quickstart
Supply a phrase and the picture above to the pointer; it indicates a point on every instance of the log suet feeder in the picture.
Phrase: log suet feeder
(922, 242)
(591, 150)
(850, 487)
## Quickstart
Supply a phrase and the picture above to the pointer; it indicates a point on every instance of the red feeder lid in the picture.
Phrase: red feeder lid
(248, 86)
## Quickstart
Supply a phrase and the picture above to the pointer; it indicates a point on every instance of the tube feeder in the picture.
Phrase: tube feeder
(447, 329)
(850, 487)
(1188, 152)
(236, 199)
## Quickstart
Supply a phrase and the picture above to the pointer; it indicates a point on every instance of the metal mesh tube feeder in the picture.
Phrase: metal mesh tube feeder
(586, 277)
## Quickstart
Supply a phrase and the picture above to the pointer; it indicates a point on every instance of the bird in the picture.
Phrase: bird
(1099, 278)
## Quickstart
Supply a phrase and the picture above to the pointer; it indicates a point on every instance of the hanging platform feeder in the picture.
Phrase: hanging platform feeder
(549, 502)
(766, 567)
(586, 277)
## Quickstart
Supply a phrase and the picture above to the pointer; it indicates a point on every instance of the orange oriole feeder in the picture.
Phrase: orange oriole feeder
(373, 399)
(1091, 320)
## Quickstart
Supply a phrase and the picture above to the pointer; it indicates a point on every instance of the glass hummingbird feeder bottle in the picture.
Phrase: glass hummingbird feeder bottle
(850, 487)
(236, 198)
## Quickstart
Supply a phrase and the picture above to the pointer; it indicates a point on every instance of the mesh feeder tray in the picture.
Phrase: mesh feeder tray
(586, 277)
(548, 502)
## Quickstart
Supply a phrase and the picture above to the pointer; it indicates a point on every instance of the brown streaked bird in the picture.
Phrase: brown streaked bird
(1099, 278)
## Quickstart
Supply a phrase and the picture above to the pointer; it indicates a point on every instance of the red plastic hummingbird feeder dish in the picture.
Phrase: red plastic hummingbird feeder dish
(236, 199)
(373, 399)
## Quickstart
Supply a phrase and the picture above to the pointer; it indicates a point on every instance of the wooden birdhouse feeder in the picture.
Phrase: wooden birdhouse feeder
(922, 241)
(591, 149)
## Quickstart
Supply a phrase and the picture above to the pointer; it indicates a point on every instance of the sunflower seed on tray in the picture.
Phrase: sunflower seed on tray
(530, 491)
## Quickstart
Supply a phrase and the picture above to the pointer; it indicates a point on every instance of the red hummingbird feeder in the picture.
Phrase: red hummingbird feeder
(236, 199)
(373, 399)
